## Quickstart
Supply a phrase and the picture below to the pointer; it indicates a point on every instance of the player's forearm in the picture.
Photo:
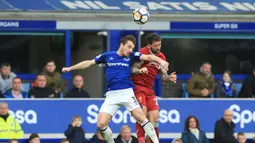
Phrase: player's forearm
(155, 59)
(165, 77)
(82, 65)
(136, 70)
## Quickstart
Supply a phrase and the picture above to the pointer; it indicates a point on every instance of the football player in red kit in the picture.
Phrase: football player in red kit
(144, 75)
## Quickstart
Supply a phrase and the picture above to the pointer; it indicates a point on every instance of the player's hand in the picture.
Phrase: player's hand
(144, 70)
(66, 69)
(173, 77)
(165, 65)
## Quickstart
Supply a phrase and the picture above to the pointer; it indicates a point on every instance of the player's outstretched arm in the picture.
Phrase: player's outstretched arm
(153, 58)
(164, 76)
(136, 68)
(81, 65)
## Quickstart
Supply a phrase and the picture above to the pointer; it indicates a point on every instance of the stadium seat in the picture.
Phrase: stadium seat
(26, 86)
(184, 91)
(238, 87)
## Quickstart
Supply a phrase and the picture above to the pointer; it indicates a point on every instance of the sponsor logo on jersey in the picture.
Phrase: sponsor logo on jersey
(117, 64)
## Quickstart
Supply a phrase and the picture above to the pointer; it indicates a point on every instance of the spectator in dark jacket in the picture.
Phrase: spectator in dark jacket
(42, 91)
(201, 84)
(54, 79)
(192, 132)
(77, 91)
(224, 129)
(248, 88)
(225, 89)
(97, 138)
(75, 133)
(125, 136)
(15, 91)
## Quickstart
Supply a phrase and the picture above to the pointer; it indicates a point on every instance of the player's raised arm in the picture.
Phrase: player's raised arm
(153, 58)
(164, 76)
(79, 66)
(85, 64)
(136, 68)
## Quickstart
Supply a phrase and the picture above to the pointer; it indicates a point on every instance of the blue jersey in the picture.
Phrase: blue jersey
(118, 69)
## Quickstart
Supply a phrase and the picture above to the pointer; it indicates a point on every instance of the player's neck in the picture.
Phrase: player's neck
(119, 53)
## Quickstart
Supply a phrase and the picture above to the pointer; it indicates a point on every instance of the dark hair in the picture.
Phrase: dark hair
(17, 78)
(11, 140)
(63, 140)
(186, 128)
(228, 72)
(240, 134)
(49, 61)
(32, 136)
(127, 38)
(40, 74)
(150, 38)
(5, 65)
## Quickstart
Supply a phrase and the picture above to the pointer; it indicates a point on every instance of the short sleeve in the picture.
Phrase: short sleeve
(100, 58)
(136, 55)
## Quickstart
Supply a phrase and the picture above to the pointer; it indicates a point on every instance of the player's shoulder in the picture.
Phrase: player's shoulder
(162, 56)
(144, 50)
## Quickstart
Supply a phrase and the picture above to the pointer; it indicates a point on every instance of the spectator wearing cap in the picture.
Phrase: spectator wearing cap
(34, 138)
(225, 88)
(202, 83)
(15, 91)
(41, 91)
(54, 79)
(6, 77)
(75, 133)
(77, 91)
(126, 136)
(248, 88)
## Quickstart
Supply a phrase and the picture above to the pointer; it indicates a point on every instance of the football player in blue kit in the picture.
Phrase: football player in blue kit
(119, 85)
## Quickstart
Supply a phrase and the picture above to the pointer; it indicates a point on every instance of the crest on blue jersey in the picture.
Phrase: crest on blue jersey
(98, 56)
(126, 59)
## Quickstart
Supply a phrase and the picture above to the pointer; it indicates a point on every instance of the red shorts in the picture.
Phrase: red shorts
(146, 98)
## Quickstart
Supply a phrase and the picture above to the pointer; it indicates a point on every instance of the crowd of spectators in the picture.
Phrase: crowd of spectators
(202, 84)
(48, 84)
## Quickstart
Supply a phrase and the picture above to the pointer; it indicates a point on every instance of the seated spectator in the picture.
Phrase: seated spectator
(53, 78)
(15, 91)
(97, 138)
(248, 88)
(192, 132)
(34, 138)
(125, 136)
(41, 91)
(64, 141)
(77, 91)
(201, 84)
(9, 127)
(177, 141)
(75, 133)
(13, 141)
(6, 77)
(225, 88)
(224, 128)
(241, 137)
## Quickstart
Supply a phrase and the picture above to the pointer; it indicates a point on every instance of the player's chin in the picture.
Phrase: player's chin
(127, 54)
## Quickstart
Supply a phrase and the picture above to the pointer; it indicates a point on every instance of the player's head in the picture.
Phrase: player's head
(154, 42)
(127, 45)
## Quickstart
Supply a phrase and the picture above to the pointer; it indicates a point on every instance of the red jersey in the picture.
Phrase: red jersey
(147, 80)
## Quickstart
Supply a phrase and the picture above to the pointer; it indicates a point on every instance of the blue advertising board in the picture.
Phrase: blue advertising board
(173, 6)
(213, 26)
(27, 25)
(53, 116)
